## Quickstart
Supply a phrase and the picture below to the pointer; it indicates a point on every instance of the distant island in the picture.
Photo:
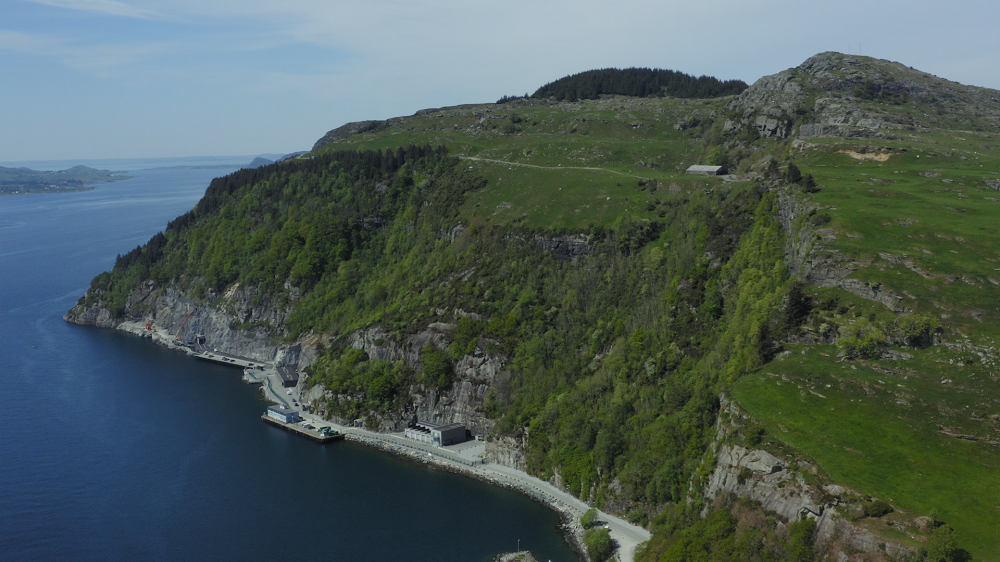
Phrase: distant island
(16, 181)
(259, 161)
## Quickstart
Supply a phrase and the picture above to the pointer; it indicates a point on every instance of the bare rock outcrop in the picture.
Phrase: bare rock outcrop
(506, 451)
(241, 321)
(828, 94)
(767, 479)
(809, 260)
(347, 130)
(792, 213)
(94, 315)
(462, 402)
(767, 482)
(872, 291)
(569, 247)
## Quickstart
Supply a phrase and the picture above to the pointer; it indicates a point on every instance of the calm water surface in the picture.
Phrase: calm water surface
(112, 448)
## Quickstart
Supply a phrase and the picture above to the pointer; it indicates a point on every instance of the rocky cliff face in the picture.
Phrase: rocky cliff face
(792, 212)
(828, 95)
(772, 481)
(241, 321)
(569, 247)
(244, 322)
(347, 130)
(810, 261)
(507, 451)
(475, 374)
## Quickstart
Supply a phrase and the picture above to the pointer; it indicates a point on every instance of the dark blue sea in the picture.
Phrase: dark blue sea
(112, 448)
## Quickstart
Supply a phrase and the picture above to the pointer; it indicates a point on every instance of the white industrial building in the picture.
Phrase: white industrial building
(440, 435)
(283, 414)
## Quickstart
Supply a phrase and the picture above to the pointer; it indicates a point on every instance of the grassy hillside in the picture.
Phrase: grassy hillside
(616, 359)
(559, 164)
(614, 362)
(916, 215)
(922, 225)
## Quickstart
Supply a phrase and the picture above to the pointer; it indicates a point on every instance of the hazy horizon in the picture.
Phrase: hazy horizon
(138, 163)
(98, 79)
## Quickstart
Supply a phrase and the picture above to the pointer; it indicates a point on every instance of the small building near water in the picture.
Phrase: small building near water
(283, 414)
(435, 434)
(289, 376)
(708, 170)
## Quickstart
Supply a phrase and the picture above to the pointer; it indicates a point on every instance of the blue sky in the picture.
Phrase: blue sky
(157, 78)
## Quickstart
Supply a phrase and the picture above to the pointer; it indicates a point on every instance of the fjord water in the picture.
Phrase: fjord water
(112, 448)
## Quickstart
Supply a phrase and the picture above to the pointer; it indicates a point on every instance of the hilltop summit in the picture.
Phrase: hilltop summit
(832, 94)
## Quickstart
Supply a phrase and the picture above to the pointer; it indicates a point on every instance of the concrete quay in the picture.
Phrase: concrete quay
(227, 359)
(300, 428)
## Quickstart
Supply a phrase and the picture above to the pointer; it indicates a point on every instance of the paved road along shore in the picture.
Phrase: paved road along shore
(464, 457)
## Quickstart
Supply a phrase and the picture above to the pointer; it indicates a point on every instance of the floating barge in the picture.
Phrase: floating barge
(317, 436)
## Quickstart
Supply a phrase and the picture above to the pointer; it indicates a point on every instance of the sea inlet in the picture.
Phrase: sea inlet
(117, 449)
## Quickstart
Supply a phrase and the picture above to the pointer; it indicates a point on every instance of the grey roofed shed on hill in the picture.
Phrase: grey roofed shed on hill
(708, 170)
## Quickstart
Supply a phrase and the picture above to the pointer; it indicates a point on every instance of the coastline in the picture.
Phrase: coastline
(47, 190)
(569, 520)
(569, 508)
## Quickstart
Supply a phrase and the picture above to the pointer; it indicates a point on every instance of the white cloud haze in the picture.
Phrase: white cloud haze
(109, 78)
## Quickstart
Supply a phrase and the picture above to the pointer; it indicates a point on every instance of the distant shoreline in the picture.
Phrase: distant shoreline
(205, 167)
(41, 191)
(24, 181)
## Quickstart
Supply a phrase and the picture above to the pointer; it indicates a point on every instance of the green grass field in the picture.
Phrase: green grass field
(878, 432)
(924, 225)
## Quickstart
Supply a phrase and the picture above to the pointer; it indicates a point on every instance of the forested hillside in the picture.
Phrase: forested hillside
(616, 360)
(837, 289)
(638, 82)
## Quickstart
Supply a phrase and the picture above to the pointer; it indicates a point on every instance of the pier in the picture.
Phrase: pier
(228, 359)
(313, 434)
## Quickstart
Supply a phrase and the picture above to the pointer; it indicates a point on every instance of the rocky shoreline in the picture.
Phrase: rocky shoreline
(569, 521)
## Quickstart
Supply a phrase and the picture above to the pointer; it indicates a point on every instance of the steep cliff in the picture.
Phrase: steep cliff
(461, 402)
(791, 488)
(240, 321)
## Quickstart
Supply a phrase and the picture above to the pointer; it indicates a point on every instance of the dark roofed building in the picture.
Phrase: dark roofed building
(289, 376)
(436, 434)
